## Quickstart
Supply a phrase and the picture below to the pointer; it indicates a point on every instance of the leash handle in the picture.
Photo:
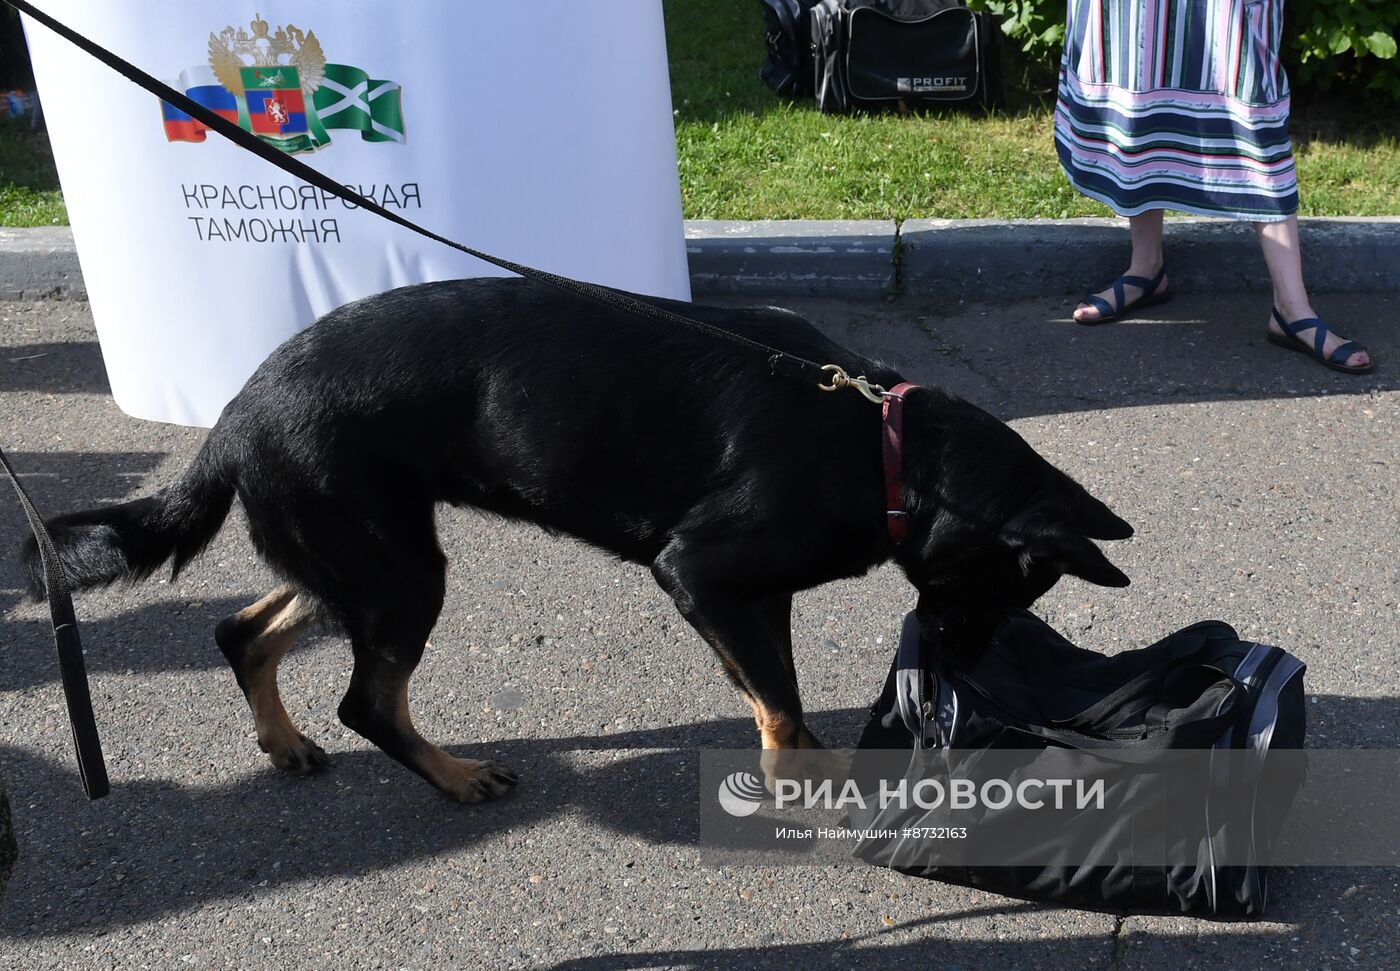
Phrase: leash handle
(779, 362)
(72, 669)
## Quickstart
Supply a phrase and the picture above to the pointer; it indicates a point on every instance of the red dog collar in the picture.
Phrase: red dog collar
(892, 446)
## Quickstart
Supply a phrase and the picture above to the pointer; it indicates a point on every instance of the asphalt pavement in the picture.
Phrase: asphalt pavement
(1263, 489)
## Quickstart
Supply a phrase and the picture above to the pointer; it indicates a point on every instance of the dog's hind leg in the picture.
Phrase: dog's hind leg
(376, 706)
(388, 639)
(254, 641)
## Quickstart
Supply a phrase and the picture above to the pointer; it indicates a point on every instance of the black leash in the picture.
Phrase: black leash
(829, 377)
(71, 666)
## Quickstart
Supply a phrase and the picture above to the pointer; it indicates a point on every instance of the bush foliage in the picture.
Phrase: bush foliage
(1343, 46)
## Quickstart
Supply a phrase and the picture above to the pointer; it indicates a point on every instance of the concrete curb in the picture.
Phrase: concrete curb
(792, 256)
(39, 262)
(959, 259)
(974, 258)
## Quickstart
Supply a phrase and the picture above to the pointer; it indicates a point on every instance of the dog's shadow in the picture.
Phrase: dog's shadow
(155, 846)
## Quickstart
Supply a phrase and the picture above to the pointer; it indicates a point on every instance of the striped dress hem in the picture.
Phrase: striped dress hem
(1177, 104)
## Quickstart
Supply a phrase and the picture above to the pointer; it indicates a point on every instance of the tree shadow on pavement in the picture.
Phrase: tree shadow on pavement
(1181, 353)
(61, 481)
(154, 637)
(165, 636)
(1037, 361)
(65, 367)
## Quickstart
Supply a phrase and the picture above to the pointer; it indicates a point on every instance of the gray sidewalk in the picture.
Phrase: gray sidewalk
(1263, 489)
(959, 259)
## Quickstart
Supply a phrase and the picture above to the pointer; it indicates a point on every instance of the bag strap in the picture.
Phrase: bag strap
(1181, 648)
(1225, 698)
(910, 698)
(71, 667)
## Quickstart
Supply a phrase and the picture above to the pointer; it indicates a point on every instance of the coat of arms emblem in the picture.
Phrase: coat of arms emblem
(278, 85)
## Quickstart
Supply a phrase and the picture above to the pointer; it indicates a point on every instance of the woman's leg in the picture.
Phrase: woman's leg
(1146, 231)
(1279, 241)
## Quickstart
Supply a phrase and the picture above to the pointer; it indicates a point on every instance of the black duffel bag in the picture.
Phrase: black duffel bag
(787, 35)
(1032, 691)
(872, 54)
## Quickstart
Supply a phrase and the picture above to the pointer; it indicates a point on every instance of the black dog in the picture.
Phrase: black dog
(661, 446)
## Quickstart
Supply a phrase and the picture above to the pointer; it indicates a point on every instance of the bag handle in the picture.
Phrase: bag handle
(1090, 718)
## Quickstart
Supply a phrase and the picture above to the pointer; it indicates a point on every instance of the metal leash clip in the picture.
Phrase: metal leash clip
(840, 379)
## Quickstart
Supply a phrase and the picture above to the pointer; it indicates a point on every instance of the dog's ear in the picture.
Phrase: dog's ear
(1078, 555)
(1064, 545)
(1097, 521)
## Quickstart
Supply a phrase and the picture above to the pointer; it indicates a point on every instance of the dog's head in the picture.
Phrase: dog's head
(992, 525)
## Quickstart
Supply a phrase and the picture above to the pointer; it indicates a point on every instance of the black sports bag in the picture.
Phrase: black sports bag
(1202, 688)
(787, 67)
(871, 54)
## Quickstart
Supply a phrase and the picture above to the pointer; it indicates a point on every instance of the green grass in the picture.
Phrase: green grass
(29, 194)
(746, 154)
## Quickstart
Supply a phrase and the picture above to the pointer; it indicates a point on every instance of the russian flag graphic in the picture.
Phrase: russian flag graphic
(200, 85)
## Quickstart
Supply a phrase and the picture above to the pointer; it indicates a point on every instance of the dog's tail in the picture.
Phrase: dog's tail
(131, 540)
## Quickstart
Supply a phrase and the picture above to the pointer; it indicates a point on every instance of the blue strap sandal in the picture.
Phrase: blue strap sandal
(1293, 342)
(1150, 297)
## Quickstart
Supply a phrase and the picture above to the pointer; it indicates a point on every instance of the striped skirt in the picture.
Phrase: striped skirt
(1177, 104)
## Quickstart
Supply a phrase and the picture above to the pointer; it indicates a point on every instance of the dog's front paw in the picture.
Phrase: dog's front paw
(804, 766)
(475, 781)
(299, 757)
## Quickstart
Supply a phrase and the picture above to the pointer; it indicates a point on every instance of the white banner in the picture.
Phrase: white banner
(540, 132)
